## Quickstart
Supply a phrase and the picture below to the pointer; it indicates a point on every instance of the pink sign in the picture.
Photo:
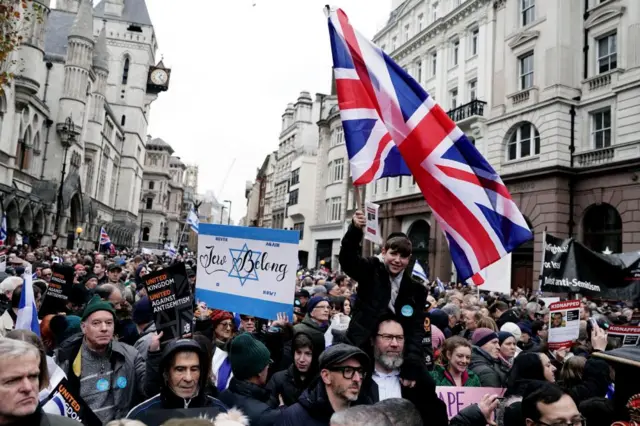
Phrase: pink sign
(457, 398)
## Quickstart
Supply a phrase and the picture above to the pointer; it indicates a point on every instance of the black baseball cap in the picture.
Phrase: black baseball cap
(302, 293)
(341, 352)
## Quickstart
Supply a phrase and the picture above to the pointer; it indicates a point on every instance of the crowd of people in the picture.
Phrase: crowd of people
(352, 354)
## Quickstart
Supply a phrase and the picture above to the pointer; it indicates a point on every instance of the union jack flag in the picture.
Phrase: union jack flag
(104, 237)
(383, 111)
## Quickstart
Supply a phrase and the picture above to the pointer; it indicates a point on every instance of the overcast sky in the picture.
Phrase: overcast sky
(235, 66)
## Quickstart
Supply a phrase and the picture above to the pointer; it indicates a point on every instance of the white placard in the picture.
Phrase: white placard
(564, 324)
(247, 270)
(497, 276)
(372, 229)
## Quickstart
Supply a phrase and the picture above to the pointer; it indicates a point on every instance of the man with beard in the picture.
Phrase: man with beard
(385, 286)
(385, 383)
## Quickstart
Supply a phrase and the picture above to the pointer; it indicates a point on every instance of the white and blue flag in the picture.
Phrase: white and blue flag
(418, 271)
(440, 284)
(3, 229)
(27, 318)
(193, 221)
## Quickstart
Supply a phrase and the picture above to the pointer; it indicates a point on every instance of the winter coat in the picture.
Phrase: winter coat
(252, 400)
(167, 399)
(287, 384)
(312, 409)
(423, 395)
(442, 378)
(41, 418)
(127, 363)
(491, 372)
(374, 294)
(315, 333)
(143, 342)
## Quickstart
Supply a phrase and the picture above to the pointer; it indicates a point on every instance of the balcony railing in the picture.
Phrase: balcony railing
(596, 157)
(471, 109)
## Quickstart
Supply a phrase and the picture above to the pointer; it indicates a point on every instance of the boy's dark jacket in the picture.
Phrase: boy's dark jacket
(374, 294)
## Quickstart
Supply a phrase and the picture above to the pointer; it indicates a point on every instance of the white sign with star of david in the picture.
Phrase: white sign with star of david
(246, 270)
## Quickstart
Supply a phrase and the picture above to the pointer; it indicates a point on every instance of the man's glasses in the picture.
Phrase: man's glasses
(322, 307)
(349, 372)
(226, 324)
(577, 421)
(388, 338)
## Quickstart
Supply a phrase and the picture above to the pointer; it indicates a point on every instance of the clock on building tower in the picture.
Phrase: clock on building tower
(158, 80)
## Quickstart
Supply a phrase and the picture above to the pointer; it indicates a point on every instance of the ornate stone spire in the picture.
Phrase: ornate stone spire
(83, 24)
(101, 54)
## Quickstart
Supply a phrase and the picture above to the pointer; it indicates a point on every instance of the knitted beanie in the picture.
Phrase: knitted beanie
(248, 356)
(96, 304)
(311, 304)
(482, 336)
(437, 337)
(525, 328)
(504, 335)
(511, 327)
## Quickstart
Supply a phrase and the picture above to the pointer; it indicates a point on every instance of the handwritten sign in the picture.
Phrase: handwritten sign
(171, 301)
(457, 398)
(248, 270)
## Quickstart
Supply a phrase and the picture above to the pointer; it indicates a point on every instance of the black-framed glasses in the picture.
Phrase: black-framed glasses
(349, 372)
(388, 338)
(577, 421)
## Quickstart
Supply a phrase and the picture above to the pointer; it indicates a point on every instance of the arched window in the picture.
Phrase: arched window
(22, 150)
(125, 70)
(524, 141)
(145, 233)
(602, 229)
(36, 143)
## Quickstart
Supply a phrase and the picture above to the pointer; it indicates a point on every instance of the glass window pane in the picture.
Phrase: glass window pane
(607, 138)
(607, 119)
(613, 43)
(537, 143)
(603, 47)
(598, 140)
(525, 148)
(512, 151)
(525, 131)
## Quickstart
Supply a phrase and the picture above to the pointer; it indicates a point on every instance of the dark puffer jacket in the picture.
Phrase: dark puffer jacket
(374, 294)
(492, 372)
(287, 384)
(252, 400)
(312, 409)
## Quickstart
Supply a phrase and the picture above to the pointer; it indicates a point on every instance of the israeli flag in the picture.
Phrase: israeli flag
(193, 221)
(440, 285)
(27, 311)
(3, 229)
(172, 251)
(418, 271)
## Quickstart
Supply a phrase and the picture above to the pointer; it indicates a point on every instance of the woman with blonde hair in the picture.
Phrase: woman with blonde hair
(488, 322)
(572, 371)
(452, 368)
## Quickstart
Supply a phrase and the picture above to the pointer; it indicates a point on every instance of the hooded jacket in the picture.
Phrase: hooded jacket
(167, 399)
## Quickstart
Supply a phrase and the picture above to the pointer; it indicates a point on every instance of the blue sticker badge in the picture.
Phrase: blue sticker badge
(406, 311)
(102, 385)
(121, 382)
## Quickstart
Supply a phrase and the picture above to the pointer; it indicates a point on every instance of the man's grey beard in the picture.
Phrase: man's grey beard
(390, 362)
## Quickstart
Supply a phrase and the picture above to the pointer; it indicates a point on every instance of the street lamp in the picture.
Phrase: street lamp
(67, 138)
(228, 217)
(78, 232)
(222, 214)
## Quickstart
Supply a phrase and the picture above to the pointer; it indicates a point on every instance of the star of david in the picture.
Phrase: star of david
(237, 256)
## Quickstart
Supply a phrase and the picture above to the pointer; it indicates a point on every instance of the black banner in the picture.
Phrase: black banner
(66, 404)
(172, 302)
(570, 267)
(55, 298)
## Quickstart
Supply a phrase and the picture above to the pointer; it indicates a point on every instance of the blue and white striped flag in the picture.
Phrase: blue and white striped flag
(3, 229)
(27, 311)
(418, 271)
(440, 285)
(193, 221)
(172, 251)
